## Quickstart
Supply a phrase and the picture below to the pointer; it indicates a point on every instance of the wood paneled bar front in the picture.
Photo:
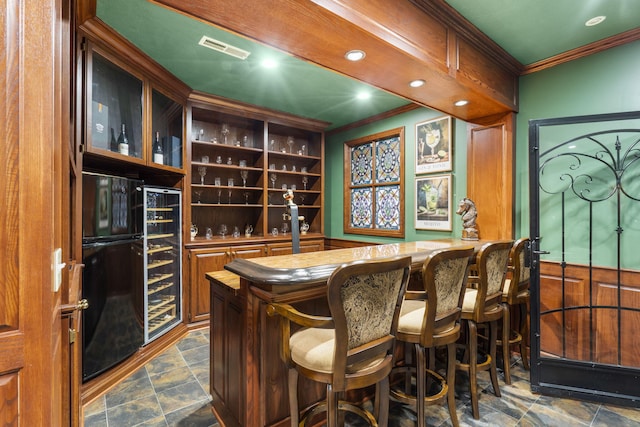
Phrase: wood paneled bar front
(248, 379)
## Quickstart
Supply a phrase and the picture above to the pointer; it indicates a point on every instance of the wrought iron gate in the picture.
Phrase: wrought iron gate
(585, 257)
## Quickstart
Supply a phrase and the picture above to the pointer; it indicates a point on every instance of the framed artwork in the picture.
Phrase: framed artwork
(374, 184)
(433, 202)
(433, 145)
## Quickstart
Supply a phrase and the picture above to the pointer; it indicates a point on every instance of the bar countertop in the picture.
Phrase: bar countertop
(316, 267)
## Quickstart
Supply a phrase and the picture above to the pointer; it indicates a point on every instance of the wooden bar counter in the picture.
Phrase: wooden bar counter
(248, 380)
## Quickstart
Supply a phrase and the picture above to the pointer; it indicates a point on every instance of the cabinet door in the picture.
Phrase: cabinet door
(287, 248)
(202, 261)
(249, 251)
(312, 246)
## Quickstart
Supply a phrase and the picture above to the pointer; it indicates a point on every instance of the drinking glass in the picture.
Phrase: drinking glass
(305, 181)
(246, 197)
(217, 181)
(198, 193)
(230, 182)
(219, 195)
(205, 159)
(244, 174)
(225, 131)
(433, 139)
(285, 227)
(208, 233)
(223, 230)
(202, 171)
(290, 142)
(230, 191)
(274, 178)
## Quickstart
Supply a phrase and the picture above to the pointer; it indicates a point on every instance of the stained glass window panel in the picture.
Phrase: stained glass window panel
(388, 160)
(388, 207)
(361, 208)
(362, 164)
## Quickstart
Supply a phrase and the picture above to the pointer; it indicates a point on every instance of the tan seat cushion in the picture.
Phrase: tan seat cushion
(411, 315)
(469, 301)
(314, 349)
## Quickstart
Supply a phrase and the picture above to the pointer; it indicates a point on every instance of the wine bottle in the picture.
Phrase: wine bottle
(113, 144)
(123, 141)
(158, 156)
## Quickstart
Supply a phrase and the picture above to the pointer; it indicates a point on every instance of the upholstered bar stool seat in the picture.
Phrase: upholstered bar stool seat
(482, 304)
(354, 347)
(430, 319)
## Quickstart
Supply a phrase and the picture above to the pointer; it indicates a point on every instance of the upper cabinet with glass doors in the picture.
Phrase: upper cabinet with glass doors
(128, 118)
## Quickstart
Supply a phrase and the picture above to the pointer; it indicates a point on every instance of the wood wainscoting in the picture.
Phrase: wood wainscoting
(591, 327)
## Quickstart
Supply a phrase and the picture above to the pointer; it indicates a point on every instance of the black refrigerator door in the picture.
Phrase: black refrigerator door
(111, 207)
(113, 324)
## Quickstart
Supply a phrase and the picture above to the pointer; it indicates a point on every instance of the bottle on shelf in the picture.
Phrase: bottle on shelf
(123, 141)
(158, 156)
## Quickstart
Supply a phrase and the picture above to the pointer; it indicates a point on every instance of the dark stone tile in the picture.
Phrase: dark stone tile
(194, 339)
(581, 411)
(615, 416)
(197, 415)
(133, 388)
(134, 412)
(95, 407)
(156, 422)
(488, 417)
(201, 372)
(170, 379)
(544, 416)
(167, 361)
(196, 354)
(181, 396)
(98, 419)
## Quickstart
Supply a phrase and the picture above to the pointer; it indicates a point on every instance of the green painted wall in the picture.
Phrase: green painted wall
(334, 175)
(606, 82)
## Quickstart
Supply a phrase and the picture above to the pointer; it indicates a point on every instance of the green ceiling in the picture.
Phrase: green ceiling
(533, 30)
(295, 87)
(529, 30)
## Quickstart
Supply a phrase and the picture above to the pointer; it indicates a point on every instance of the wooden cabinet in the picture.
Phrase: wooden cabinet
(129, 118)
(287, 248)
(242, 161)
(205, 260)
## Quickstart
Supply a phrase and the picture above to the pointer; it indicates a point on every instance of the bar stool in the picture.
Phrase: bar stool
(354, 347)
(430, 319)
(515, 294)
(482, 305)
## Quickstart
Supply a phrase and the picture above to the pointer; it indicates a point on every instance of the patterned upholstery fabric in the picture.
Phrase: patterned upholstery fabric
(496, 267)
(449, 276)
(362, 296)
(524, 271)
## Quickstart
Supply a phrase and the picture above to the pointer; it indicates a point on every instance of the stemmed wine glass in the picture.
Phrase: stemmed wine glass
(223, 230)
(230, 191)
(285, 228)
(274, 178)
(290, 142)
(302, 197)
(202, 171)
(225, 131)
(198, 193)
(244, 174)
(246, 197)
(272, 145)
(305, 181)
(219, 195)
(433, 139)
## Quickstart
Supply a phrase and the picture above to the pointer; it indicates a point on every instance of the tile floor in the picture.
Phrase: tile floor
(172, 390)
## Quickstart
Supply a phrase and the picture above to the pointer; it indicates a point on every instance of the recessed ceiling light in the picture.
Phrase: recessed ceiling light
(417, 83)
(363, 95)
(461, 103)
(269, 63)
(355, 55)
(595, 20)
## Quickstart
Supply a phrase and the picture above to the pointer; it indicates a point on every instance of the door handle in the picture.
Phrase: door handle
(83, 304)
(541, 252)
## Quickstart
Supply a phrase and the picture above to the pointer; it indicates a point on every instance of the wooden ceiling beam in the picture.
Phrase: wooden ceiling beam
(402, 43)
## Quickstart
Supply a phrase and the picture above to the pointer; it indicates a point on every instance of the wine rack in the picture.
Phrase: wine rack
(163, 270)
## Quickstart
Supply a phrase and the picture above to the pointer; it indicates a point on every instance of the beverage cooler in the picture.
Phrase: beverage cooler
(162, 261)
(112, 279)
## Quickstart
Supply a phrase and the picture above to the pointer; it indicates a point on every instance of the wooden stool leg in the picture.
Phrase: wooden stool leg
(421, 367)
(293, 397)
(382, 402)
(451, 383)
(473, 371)
(332, 407)
(524, 331)
(493, 336)
(506, 351)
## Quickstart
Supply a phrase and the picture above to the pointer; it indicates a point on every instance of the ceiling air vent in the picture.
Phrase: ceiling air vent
(223, 47)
